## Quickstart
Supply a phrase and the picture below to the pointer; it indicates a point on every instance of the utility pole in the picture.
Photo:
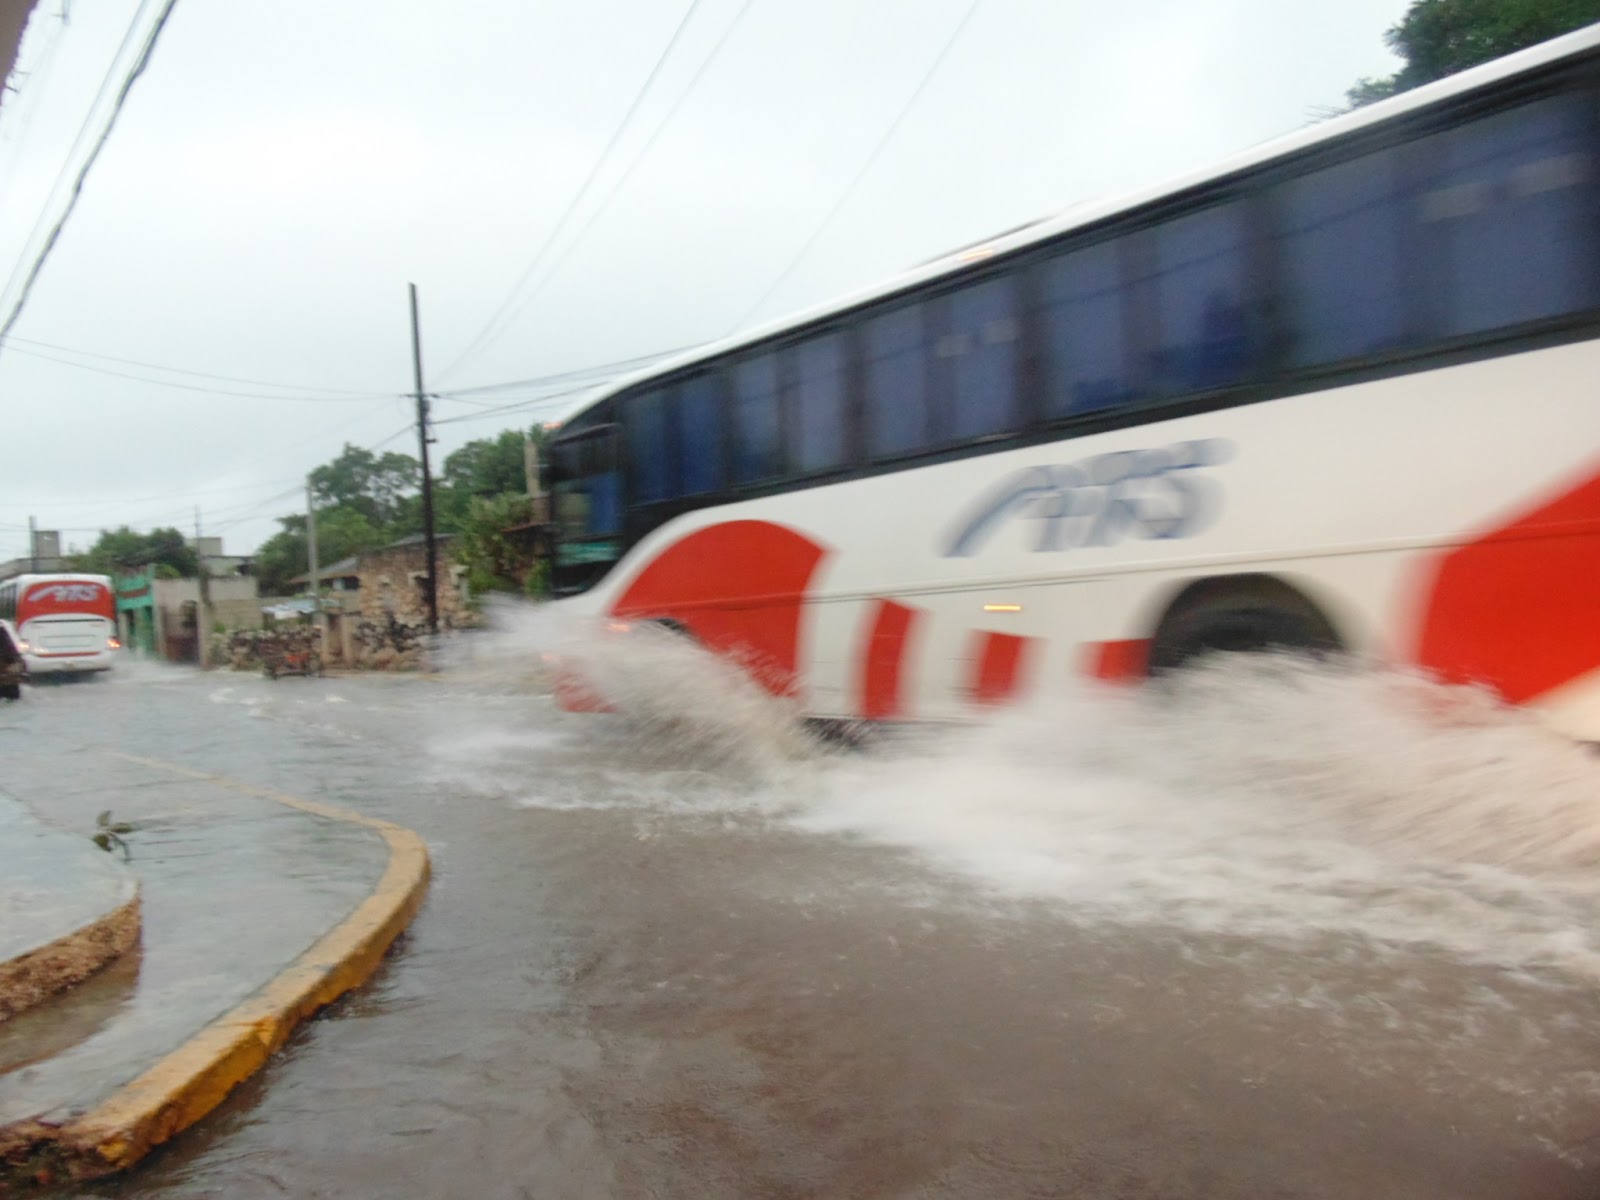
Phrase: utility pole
(427, 479)
(33, 546)
(201, 621)
(311, 564)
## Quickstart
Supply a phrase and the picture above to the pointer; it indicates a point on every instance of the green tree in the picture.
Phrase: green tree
(377, 486)
(482, 468)
(118, 551)
(496, 560)
(1437, 38)
(342, 531)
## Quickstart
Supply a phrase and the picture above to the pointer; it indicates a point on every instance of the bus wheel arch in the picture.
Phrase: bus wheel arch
(1240, 613)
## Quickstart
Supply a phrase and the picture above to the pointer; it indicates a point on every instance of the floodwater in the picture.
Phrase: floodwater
(1278, 931)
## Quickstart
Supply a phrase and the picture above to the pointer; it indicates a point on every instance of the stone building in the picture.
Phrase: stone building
(393, 582)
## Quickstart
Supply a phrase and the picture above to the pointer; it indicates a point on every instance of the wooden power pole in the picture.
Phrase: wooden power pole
(427, 479)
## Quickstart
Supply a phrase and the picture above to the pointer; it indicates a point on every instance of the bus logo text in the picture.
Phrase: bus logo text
(1103, 500)
(66, 593)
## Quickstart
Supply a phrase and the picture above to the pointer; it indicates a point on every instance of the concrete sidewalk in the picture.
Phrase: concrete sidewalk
(66, 909)
(258, 908)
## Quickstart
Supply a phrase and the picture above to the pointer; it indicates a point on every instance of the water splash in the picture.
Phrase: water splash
(1259, 797)
(1262, 798)
(671, 703)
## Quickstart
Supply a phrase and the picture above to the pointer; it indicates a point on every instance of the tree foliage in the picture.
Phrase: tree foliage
(121, 551)
(342, 531)
(365, 501)
(376, 486)
(496, 561)
(487, 467)
(1437, 38)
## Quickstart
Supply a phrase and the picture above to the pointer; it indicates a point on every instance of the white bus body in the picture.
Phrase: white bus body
(1355, 403)
(64, 623)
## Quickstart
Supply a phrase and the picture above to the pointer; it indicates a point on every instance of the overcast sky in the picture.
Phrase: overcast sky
(281, 172)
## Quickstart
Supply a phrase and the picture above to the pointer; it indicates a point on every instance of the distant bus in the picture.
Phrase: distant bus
(1340, 392)
(64, 623)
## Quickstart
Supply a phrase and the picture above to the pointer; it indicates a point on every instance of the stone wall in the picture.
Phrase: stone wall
(392, 585)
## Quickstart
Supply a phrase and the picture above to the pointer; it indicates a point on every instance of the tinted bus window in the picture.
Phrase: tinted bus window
(587, 487)
(1507, 209)
(1199, 265)
(650, 460)
(818, 371)
(1343, 253)
(1081, 319)
(757, 426)
(700, 435)
(977, 353)
(896, 382)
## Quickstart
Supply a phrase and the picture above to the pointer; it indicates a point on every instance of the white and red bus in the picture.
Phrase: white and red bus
(63, 623)
(1342, 391)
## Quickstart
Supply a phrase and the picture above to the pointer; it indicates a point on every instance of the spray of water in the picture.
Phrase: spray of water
(1256, 796)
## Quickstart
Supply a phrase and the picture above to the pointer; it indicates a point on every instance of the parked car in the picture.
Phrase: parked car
(12, 667)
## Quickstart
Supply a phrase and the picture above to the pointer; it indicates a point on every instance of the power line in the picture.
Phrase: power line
(583, 190)
(617, 186)
(37, 74)
(519, 406)
(20, 342)
(101, 92)
(245, 510)
(195, 387)
(866, 166)
(607, 369)
(83, 174)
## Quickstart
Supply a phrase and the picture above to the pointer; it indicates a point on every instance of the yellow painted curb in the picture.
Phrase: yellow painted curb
(193, 1079)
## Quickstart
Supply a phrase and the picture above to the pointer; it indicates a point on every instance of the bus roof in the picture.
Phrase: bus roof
(1570, 45)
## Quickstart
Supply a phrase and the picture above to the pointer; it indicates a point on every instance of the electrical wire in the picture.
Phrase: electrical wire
(519, 406)
(609, 369)
(877, 151)
(134, 72)
(580, 194)
(37, 75)
(78, 138)
(356, 397)
(19, 342)
(639, 156)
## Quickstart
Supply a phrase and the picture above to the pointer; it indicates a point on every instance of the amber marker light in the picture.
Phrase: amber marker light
(1002, 608)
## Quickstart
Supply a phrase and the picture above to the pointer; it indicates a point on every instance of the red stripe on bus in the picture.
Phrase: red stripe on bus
(1119, 662)
(1519, 608)
(738, 588)
(883, 658)
(998, 666)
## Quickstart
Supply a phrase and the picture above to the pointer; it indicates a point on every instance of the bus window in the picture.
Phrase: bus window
(977, 352)
(1506, 210)
(586, 499)
(650, 458)
(817, 367)
(757, 427)
(700, 434)
(896, 382)
(1199, 266)
(1085, 346)
(1342, 248)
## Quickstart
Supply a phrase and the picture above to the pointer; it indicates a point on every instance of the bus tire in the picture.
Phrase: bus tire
(1239, 614)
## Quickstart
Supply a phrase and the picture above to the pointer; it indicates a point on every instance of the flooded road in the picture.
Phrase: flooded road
(1281, 933)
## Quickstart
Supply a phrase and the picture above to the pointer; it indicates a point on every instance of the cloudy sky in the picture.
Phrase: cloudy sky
(569, 185)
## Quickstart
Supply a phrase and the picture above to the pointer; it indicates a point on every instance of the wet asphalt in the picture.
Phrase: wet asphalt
(636, 976)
